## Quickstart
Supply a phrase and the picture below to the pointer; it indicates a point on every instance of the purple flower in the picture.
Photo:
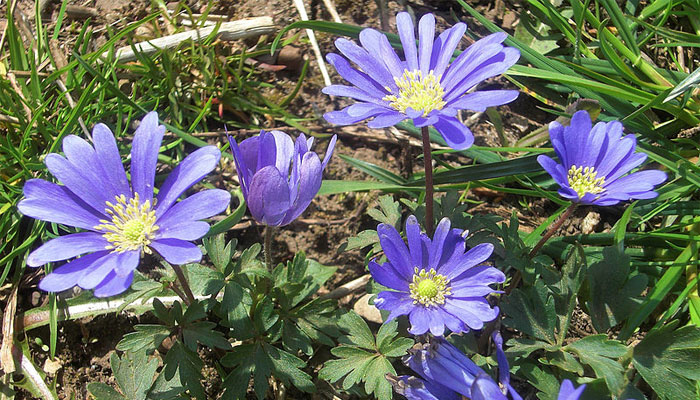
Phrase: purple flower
(425, 87)
(437, 284)
(568, 392)
(278, 177)
(123, 221)
(447, 373)
(594, 160)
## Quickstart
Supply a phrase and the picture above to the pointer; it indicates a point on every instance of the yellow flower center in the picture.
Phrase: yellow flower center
(429, 288)
(417, 92)
(132, 227)
(583, 180)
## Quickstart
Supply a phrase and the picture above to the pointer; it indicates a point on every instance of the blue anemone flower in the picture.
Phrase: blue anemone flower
(437, 284)
(278, 177)
(425, 87)
(447, 373)
(594, 161)
(122, 220)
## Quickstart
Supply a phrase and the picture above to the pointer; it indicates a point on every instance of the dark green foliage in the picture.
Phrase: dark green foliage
(364, 358)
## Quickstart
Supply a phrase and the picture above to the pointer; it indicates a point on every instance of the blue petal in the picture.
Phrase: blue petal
(268, 198)
(144, 155)
(453, 36)
(386, 119)
(190, 171)
(397, 303)
(367, 62)
(200, 205)
(67, 246)
(484, 388)
(568, 392)
(386, 275)
(404, 24)
(176, 251)
(66, 276)
(426, 33)
(479, 101)
(358, 78)
(307, 186)
(108, 154)
(113, 285)
(455, 133)
(53, 203)
(395, 250)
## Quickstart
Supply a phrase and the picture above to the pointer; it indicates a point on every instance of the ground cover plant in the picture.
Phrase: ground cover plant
(212, 219)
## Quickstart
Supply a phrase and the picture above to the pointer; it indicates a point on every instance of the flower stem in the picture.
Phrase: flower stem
(267, 247)
(189, 296)
(553, 229)
(548, 234)
(427, 163)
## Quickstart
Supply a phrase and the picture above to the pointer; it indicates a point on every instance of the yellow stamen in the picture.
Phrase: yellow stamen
(417, 92)
(583, 180)
(429, 288)
(132, 227)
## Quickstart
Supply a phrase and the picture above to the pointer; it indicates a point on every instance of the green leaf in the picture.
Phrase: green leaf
(389, 346)
(667, 359)
(166, 389)
(219, 252)
(203, 332)
(102, 391)
(370, 366)
(601, 354)
(614, 294)
(389, 211)
(146, 338)
(287, 367)
(567, 287)
(531, 310)
(134, 373)
(535, 34)
(363, 239)
(188, 366)
(358, 331)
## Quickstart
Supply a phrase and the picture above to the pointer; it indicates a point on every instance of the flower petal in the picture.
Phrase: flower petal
(268, 199)
(418, 243)
(438, 242)
(113, 285)
(108, 155)
(121, 264)
(66, 276)
(176, 251)
(84, 187)
(386, 119)
(395, 250)
(455, 133)
(352, 92)
(475, 256)
(479, 101)
(473, 311)
(359, 79)
(85, 162)
(144, 155)
(454, 35)
(200, 205)
(397, 303)
(329, 151)
(190, 171)
(404, 25)
(367, 62)
(67, 246)
(484, 388)
(555, 170)
(386, 275)
(308, 186)
(426, 34)
(53, 203)
(185, 230)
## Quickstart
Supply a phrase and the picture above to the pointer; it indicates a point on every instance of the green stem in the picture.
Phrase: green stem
(189, 296)
(427, 163)
(267, 249)
(547, 235)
